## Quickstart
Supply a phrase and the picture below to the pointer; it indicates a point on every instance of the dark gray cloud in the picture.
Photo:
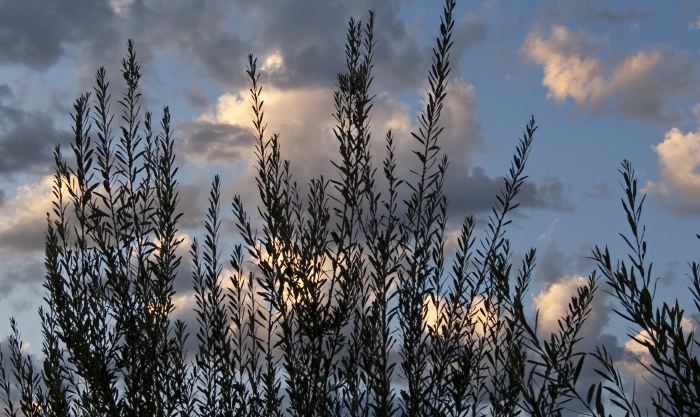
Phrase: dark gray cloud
(35, 33)
(550, 193)
(192, 205)
(223, 57)
(197, 99)
(311, 49)
(210, 36)
(215, 142)
(475, 192)
(200, 33)
(27, 146)
(595, 11)
(17, 273)
(612, 13)
(674, 273)
(553, 263)
(614, 16)
(24, 236)
(27, 138)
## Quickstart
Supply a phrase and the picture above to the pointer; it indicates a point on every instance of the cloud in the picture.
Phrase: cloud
(5, 91)
(552, 303)
(20, 272)
(200, 33)
(273, 63)
(550, 194)
(635, 361)
(302, 116)
(207, 142)
(553, 265)
(695, 24)
(196, 99)
(470, 29)
(679, 182)
(647, 81)
(594, 12)
(27, 138)
(22, 218)
(468, 187)
(23, 228)
(311, 49)
(478, 314)
(572, 70)
(208, 36)
(27, 146)
(120, 7)
(474, 191)
(35, 33)
(569, 69)
(591, 11)
(548, 234)
(615, 16)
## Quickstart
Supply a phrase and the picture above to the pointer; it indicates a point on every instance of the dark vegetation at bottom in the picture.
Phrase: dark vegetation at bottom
(338, 297)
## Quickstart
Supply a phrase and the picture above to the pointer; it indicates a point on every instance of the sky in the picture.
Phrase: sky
(606, 81)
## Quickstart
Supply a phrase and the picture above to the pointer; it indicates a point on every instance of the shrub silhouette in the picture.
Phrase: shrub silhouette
(339, 300)
(662, 331)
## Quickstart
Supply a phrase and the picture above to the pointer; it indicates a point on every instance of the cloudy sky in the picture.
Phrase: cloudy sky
(606, 81)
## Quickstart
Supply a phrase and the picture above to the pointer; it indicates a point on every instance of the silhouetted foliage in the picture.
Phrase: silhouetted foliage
(338, 299)
(660, 328)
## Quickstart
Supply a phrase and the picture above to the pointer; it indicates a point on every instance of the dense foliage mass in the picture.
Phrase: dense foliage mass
(340, 298)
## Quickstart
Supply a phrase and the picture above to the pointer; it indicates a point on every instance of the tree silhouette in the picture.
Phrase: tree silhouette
(339, 300)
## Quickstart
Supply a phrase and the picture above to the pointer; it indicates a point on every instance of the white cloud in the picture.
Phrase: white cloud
(679, 160)
(30, 200)
(553, 301)
(478, 313)
(181, 250)
(639, 86)
(569, 69)
(274, 62)
(302, 117)
(637, 356)
(283, 108)
(23, 217)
